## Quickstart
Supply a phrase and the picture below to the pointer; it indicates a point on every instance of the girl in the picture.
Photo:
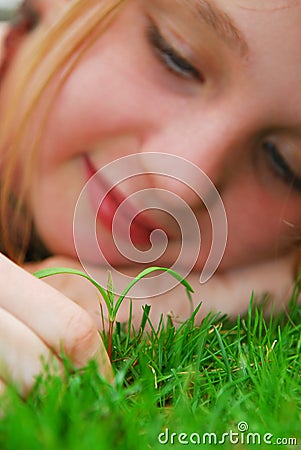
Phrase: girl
(85, 83)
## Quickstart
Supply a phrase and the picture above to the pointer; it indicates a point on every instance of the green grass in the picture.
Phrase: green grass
(205, 379)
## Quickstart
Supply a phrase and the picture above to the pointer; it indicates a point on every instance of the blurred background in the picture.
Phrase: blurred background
(7, 8)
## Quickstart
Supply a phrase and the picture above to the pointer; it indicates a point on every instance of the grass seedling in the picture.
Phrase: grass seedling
(108, 294)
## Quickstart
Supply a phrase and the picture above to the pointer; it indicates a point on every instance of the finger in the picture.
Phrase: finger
(22, 354)
(2, 387)
(54, 318)
(78, 289)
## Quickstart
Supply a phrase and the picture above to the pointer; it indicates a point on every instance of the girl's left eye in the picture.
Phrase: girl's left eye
(171, 58)
(281, 167)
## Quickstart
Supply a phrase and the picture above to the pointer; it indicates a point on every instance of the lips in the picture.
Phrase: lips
(106, 200)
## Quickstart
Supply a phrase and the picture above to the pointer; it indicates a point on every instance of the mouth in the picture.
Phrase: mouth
(106, 200)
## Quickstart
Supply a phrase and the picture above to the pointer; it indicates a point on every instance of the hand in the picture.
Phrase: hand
(78, 289)
(36, 323)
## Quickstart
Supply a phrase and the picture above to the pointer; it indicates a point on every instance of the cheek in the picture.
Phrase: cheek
(53, 199)
(98, 116)
(258, 222)
(109, 94)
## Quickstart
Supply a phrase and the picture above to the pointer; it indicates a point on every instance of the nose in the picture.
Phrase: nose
(203, 146)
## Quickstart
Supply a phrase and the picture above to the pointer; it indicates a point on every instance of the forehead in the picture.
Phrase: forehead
(267, 35)
(267, 5)
(268, 16)
(272, 32)
(257, 20)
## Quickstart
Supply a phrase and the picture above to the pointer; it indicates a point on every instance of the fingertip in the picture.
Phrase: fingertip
(103, 362)
(83, 343)
(2, 387)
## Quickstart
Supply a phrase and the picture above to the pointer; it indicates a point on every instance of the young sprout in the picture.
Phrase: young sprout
(108, 294)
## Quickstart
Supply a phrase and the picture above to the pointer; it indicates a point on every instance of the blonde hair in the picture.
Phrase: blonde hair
(54, 49)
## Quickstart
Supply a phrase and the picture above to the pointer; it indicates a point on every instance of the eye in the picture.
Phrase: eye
(280, 166)
(171, 58)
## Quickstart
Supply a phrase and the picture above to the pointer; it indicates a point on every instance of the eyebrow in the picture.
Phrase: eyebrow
(222, 25)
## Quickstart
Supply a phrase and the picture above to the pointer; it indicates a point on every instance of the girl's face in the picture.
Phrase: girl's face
(215, 82)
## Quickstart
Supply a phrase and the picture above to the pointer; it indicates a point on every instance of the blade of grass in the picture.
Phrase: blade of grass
(144, 274)
(65, 271)
(224, 353)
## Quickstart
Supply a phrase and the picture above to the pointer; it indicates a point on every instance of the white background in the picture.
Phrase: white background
(10, 4)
